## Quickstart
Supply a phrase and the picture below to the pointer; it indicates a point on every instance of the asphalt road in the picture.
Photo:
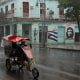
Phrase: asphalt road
(53, 64)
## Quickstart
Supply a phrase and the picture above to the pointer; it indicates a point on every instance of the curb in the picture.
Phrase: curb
(64, 48)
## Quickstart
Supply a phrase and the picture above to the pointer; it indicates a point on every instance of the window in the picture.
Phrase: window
(25, 9)
(42, 9)
(12, 7)
(6, 10)
(61, 11)
(1, 9)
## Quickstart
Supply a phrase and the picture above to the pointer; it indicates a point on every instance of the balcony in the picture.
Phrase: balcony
(10, 13)
(61, 17)
(25, 15)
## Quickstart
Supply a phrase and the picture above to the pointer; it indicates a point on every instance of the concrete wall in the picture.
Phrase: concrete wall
(19, 29)
(9, 6)
(52, 5)
(56, 26)
(61, 35)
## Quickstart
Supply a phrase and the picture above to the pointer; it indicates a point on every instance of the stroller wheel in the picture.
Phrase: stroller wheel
(8, 65)
(35, 73)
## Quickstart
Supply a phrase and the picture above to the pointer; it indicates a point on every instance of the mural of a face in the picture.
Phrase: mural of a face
(35, 33)
(69, 33)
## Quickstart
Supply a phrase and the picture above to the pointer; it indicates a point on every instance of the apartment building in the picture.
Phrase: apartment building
(31, 18)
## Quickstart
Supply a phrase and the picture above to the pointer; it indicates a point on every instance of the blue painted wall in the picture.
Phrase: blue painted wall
(61, 35)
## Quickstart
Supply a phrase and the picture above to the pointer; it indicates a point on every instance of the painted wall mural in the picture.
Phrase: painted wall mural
(70, 31)
(53, 33)
(35, 33)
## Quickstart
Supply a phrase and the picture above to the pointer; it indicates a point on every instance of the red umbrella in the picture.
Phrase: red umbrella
(16, 38)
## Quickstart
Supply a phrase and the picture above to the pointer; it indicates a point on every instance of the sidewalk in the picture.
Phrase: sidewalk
(65, 46)
(56, 46)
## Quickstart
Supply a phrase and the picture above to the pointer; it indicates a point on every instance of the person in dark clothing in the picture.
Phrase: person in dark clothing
(23, 44)
(20, 52)
(13, 50)
(14, 45)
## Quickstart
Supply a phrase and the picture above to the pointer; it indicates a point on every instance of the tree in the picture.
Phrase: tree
(72, 9)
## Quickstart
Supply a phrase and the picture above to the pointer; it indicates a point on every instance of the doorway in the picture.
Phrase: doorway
(76, 37)
(41, 34)
(27, 30)
(7, 30)
(1, 32)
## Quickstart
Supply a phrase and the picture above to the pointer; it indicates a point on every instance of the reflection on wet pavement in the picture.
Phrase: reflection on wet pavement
(53, 64)
(68, 62)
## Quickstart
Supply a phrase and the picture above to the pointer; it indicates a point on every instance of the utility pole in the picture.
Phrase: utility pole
(13, 27)
(43, 26)
(43, 23)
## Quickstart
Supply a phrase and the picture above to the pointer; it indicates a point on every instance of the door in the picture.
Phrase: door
(76, 37)
(42, 10)
(6, 10)
(7, 30)
(41, 37)
(1, 32)
(25, 9)
(14, 28)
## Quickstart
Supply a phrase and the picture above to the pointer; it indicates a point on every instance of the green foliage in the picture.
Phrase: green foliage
(72, 6)
(72, 9)
(69, 3)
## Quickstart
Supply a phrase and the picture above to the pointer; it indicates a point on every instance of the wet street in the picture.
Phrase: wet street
(53, 64)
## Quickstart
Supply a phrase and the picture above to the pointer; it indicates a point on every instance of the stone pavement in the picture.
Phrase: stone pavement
(65, 46)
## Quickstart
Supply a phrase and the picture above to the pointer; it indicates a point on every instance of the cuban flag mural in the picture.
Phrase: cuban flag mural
(53, 34)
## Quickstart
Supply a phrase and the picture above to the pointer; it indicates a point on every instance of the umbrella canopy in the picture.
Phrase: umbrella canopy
(16, 38)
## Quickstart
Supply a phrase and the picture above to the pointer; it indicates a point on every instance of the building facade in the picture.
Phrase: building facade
(35, 18)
